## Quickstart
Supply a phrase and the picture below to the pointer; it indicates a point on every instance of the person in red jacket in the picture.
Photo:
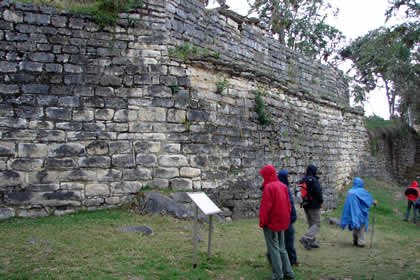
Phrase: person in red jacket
(412, 194)
(274, 216)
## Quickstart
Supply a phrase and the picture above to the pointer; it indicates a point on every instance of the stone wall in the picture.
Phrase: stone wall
(393, 155)
(89, 117)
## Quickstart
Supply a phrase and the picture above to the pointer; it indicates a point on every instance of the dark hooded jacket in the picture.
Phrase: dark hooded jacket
(283, 177)
(314, 187)
(275, 205)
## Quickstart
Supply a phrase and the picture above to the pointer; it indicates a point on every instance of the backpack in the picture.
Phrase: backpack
(303, 194)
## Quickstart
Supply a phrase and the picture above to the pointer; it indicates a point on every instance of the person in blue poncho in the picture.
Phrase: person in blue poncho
(355, 213)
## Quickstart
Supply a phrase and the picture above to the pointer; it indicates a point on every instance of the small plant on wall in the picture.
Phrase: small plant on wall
(263, 116)
(222, 85)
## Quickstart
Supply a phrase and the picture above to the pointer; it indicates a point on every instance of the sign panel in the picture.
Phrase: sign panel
(204, 203)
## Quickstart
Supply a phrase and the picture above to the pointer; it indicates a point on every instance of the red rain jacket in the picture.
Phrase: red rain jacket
(275, 205)
(412, 192)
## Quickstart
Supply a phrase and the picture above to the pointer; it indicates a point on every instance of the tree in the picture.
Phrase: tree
(385, 56)
(300, 24)
(412, 9)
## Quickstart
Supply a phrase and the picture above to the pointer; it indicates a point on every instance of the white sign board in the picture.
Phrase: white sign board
(204, 203)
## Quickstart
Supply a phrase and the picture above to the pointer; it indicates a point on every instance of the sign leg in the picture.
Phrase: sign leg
(210, 230)
(195, 236)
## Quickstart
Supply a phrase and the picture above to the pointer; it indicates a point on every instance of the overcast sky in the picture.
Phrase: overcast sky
(356, 18)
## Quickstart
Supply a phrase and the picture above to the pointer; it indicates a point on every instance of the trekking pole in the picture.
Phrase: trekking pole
(373, 226)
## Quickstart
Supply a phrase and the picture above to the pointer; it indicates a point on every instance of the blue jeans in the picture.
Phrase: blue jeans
(410, 204)
(289, 238)
(276, 248)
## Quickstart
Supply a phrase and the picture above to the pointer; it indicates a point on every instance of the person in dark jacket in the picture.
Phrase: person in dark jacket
(312, 208)
(289, 234)
(412, 194)
(274, 214)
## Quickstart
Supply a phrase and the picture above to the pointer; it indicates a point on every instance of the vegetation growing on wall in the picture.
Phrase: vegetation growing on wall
(222, 85)
(263, 116)
(103, 12)
(187, 50)
(379, 128)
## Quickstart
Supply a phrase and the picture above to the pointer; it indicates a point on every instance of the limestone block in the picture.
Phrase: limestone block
(97, 148)
(123, 160)
(167, 173)
(93, 201)
(108, 175)
(178, 116)
(84, 115)
(190, 172)
(159, 183)
(13, 16)
(148, 160)
(65, 150)
(31, 213)
(119, 147)
(181, 184)
(208, 185)
(152, 114)
(60, 163)
(38, 124)
(95, 162)
(147, 147)
(138, 173)
(6, 213)
(97, 190)
(172, 148)
(115, 200)
(125, 187)
(10, 178)
(125, 115)
(80, 175)
(7, 149)
(173, 160)
(104, 114)
(72, 186)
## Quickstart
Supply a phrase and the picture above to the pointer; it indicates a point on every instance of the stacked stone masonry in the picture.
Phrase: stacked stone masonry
(89, 117)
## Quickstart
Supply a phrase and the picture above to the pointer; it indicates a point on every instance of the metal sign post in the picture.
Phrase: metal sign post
(202, 201)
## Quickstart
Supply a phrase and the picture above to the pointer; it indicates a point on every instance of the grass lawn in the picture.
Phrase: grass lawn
(88, 245)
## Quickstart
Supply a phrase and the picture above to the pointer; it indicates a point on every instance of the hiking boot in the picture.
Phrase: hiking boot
(305, 244)
(315, 244)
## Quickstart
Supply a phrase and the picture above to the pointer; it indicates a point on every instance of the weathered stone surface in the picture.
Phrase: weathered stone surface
(143, 229)
(89, 116)
(97, 190)
(6, 213)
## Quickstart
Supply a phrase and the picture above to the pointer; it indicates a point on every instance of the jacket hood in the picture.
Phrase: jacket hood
(283, 177)
(311, 170)
(414, 184)
(358, 183)
(268, 172)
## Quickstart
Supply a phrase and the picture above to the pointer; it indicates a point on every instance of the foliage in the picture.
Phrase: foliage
(103, 12)
(89, 245)
(412, 8)
(222, 85)
(301, 25)
(385, 56)
(188, 50)
(263, 117)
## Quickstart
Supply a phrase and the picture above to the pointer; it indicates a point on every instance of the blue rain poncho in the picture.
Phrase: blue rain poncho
(356, 206)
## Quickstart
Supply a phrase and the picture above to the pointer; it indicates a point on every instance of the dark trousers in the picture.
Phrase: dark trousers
(289, 239)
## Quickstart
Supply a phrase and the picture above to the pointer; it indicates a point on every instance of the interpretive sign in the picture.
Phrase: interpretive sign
(202, 201)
